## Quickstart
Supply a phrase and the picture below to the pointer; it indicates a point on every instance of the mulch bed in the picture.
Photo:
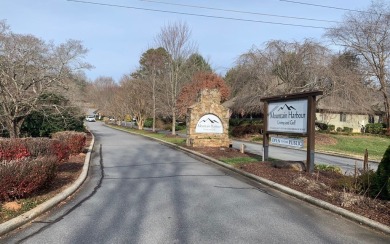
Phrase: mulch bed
(324, 185)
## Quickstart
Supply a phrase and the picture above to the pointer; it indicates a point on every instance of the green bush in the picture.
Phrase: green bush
(322, 126)
(148, 123)
(383, 176)
(40, 124)
(375, 128)
(59, 116)
(234, 121)
(347, 130)
(330, 168)
(331, 127)
(339, 129)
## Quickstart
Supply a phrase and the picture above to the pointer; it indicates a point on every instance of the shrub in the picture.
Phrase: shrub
(330, 168)
(148, 123)
(44, 122)
(20, 178)
(322, 126)
(60, 149)
(374, 128)
(339, 129)
(331, 127)
(234, 121)
(347, 130)
(13, 149)
(367, 183)
(242, 130)
(37, 147)
(74, 140)
(383, 176)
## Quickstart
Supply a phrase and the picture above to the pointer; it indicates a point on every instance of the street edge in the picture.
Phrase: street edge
(309, 199)
(26, 217)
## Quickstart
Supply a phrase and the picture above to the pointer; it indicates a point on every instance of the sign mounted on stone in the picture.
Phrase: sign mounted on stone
(209, 123)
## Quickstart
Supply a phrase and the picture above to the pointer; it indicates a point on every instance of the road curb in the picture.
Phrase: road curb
(309, 199)
(47, 205)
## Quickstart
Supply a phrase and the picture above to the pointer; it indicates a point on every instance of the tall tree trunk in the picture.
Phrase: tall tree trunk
(14, 127)
(386, 103)
(173, 122)
(154, 103)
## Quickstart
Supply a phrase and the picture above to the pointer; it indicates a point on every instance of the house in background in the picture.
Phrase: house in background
(342, 113)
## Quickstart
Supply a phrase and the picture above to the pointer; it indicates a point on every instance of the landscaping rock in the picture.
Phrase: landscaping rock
(293, 165)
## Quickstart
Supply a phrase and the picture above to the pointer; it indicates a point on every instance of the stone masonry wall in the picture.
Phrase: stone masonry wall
(209, 103)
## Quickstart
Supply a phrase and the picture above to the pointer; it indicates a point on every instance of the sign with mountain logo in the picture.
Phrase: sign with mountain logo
(209, 123)
(288, 116)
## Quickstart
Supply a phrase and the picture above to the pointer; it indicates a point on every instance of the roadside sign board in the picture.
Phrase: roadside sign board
(288, 116)
(291, 114)
(289, 142)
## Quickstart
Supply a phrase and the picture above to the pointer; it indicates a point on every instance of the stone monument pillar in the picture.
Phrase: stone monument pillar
(208, 121)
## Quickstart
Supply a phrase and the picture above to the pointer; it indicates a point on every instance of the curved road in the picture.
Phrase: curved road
(140, 191)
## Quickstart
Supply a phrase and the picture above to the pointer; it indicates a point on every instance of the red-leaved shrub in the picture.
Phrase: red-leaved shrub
(60, 149)
(74, 140)
(11, 149)
(19, 178)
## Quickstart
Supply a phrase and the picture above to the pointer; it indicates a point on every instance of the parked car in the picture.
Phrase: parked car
(90, 118)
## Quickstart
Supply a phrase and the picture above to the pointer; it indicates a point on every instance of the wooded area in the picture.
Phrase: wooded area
(352, 72)
(354, 78)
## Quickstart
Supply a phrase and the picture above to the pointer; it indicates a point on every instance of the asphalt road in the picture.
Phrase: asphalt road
(141, 191)
(282, 153)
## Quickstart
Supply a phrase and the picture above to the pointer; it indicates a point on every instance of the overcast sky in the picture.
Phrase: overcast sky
(116, 36)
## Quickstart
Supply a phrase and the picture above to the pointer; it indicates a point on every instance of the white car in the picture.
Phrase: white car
(90, 118)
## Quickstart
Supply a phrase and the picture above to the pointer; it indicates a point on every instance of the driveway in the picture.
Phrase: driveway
(141, 191)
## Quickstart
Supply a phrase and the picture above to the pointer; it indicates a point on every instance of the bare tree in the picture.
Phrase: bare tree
(136, 96)
(175, 39)
(297, 66)
(102, 92)
(29, 68)
(367, 33)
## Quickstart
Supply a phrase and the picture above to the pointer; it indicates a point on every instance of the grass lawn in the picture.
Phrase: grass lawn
(240, 160)
(356, 145)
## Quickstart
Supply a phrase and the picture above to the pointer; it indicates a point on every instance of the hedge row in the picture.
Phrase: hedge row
(15, 149)
(374, 128)
(19, 178)
(74, 140)
(27, 164)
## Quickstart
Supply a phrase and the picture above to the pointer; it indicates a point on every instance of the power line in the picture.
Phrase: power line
(198, 15)
(324, 6)
(238, 11)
